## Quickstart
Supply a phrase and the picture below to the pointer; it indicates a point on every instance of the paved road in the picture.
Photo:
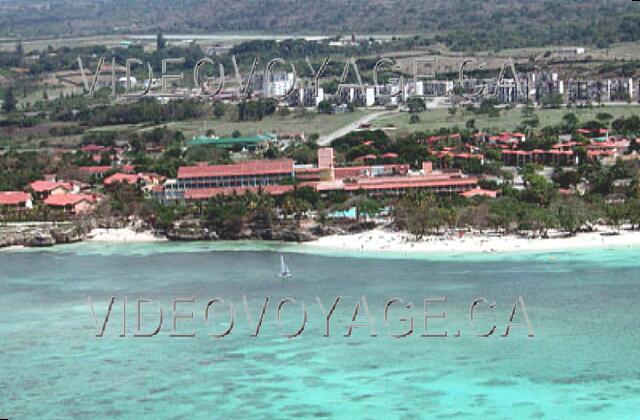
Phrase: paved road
(328, 138)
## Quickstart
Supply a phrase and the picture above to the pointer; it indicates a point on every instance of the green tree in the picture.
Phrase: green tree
(616, 213)
(539, 190)
(325, 107)
(503, 212)
(9, 101)
(552, 101)
(161, 43)
(604, 117)
(368, 207)
(416, 105)
(570, 122)
(633, 213)
(571, 214)
(219, 110)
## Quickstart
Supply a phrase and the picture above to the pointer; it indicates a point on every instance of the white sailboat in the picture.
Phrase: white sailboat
(285, 273)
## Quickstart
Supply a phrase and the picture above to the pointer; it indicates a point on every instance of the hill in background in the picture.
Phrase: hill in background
(461, 24)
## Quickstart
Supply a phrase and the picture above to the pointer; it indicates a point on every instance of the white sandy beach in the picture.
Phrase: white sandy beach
(122, 235)
(380, 240)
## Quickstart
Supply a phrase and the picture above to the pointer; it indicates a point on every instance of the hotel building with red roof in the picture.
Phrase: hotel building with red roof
(72, 203)
(244, 174)
(15, 200)
(206, 181)
(43, 189)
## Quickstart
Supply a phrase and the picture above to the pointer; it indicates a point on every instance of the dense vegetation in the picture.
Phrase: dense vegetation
(467, 24)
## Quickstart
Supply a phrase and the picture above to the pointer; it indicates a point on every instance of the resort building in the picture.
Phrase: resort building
(44, 189)
(274, 176)
(397, 185)
(149, 182)
(551, 157)
(200, 182)
(74, 204)
(564, 153)
(250, 174)
(446, 157)
(13, 201)
(119, 178)
(207, 193)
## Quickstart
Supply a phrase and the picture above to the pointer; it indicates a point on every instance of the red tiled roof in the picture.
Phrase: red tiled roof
(121, 177)
(205, 193)
(61, 200)
(607, 145)
(409, 179)
(307, 170)
(566, 145)
(152, 177)
(13, 198)
(401, 183)
(42, 186)
(479, 191)
(413, 184)
(256, 167)
(367, 157)
(390, 155)
(538, 152)
(460, 155)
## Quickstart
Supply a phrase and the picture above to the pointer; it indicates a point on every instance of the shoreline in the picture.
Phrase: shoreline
(381, 240)
(45, 235)
(123, 235)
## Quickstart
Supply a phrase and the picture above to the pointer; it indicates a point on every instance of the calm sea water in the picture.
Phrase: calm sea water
(582, 363)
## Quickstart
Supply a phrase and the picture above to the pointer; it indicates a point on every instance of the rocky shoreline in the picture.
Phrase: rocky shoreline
(282, 231)
(41, 235)
(194, 231)
(45, 234)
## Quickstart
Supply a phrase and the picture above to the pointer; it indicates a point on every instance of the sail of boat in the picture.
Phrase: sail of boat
(284, 270)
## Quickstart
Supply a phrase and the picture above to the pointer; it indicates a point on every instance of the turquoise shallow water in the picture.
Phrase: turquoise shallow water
(582, 362)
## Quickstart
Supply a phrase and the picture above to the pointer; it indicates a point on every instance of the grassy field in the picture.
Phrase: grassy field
(431, 120)
(309, 124)
(38, 137)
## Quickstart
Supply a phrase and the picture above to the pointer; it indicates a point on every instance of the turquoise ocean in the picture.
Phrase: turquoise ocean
(582, 363)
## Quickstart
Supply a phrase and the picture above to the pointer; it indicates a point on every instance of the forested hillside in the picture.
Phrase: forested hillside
(461, 24)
